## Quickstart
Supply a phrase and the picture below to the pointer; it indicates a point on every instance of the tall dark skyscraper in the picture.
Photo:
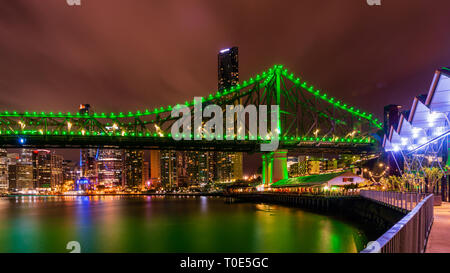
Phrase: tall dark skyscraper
(227, 166)
(42, 171)
(391, 117)
(228, 68)
(133, 168)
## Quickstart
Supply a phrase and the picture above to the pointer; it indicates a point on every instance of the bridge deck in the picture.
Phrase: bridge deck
(439, 240)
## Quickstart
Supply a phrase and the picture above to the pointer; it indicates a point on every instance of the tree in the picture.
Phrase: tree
(393, 183)
(415, 180)
(433, 175)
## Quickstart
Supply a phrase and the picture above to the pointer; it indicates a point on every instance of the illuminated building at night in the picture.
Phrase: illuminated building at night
(3, 170)
(88, 159)
(228, 68)
(12, 170)
(200, 167)
(133, 168)
(69, 170)
(42, 172)
(145, 173)
(25, 170)
(109, 168)
(169, 168)
(155, 166)
(228, 165)
(56, 164)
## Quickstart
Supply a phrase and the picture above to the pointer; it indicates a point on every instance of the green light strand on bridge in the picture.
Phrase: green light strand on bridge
(158, 136)
(265, 76)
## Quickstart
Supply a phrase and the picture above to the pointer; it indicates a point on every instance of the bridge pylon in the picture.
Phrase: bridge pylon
(274, 167)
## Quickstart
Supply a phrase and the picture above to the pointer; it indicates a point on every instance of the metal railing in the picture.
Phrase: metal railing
(410, 234)
(402, 200)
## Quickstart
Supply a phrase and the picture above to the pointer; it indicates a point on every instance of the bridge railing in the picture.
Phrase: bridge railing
(410, 234)
(402, 200)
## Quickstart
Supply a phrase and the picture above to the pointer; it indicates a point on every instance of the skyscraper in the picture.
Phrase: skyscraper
(69, 170)
(155, 166)
(145, 173)
(168, 163)
(228, 68)
(89, 156)
(3, 170)
(42, 172)
(133, 169)
(391, 117)
(200, 167)
(87, 162)
(25, 170)
(228, 166)
(57, 172)
(13, 158)
(109, 166)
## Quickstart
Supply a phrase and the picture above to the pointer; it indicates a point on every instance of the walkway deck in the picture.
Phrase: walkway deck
(439, 240)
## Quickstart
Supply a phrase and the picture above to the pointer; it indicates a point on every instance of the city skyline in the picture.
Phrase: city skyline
(224, 133)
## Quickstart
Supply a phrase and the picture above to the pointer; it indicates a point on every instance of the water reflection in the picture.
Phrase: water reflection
(167, 224)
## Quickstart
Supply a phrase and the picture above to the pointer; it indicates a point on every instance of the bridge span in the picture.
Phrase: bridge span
(310, 121)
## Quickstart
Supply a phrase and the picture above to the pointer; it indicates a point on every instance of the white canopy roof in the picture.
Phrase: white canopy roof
(426, 121)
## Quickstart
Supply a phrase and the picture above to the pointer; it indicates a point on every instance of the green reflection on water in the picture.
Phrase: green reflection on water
(167, 224)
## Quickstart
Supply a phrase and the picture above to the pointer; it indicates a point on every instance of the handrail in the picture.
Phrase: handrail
(402, 200)
(410, 234)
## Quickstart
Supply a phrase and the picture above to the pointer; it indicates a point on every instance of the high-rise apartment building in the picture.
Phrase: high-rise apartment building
(228, 68)
(42, 171)
(229, 166)
(25, 170)
(69, 170)
(145, 174)
(13, 158)
(57, 172)
(169, 175)
(134, 168)
(88, 166)
(200, 167)
(3, 170)
(109, 167)
(155, 166)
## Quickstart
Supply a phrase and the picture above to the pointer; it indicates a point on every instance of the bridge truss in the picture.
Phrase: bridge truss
(310, 119)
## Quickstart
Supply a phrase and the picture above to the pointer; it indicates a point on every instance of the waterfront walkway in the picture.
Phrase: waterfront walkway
(439, 240)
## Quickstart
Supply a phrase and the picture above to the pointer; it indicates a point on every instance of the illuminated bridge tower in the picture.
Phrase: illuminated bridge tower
(274, 164)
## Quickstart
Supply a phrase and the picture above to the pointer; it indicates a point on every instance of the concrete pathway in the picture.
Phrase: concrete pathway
(439, 240)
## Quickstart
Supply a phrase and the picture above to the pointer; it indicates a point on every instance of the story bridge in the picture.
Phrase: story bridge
(311, 122)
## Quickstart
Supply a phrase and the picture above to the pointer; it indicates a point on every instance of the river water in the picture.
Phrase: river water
(168, 224)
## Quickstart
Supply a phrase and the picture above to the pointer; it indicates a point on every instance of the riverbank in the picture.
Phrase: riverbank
(118, 194)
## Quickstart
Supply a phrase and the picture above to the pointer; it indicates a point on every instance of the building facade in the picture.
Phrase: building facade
(169, 168)
(109, 168)
(25, 170)
(133, 168)
(13, 158)
(4, 184)
(42, 171)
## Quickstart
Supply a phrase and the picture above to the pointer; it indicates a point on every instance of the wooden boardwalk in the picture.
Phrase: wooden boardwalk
(439, 240)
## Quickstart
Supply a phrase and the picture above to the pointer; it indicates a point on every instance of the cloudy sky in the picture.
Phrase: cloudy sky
(131, 55)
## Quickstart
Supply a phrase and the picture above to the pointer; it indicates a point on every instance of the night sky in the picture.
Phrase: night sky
(136, 54)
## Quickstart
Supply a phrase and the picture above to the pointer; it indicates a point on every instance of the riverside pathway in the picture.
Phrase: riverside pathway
(439, 240)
